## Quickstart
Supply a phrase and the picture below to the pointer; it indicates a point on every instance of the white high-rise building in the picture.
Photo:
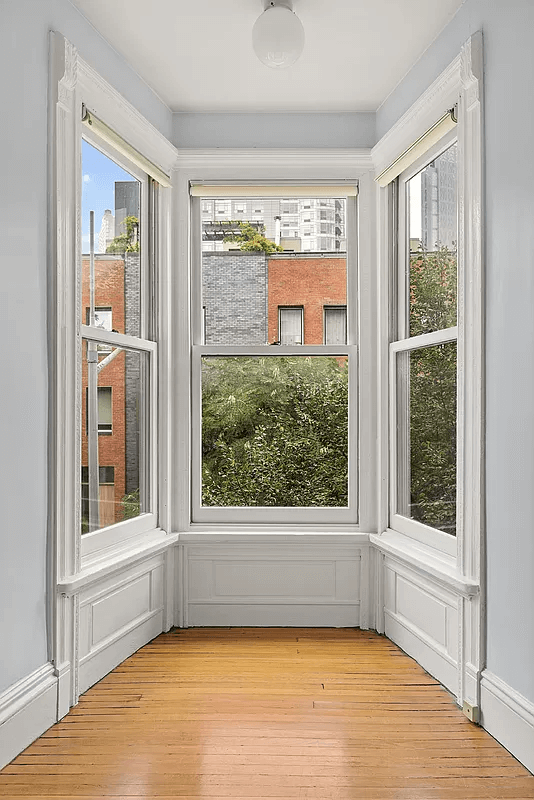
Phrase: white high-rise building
(107, 231)
(319, 224)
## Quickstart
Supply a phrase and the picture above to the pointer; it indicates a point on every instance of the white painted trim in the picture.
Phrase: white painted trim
(424, 340)
(235, 163)
(116, 560)
(256, 166)
(73, 82)
(27, 709)
(461, 82)
(425, 560)
(509, 717)
(427, 109)
(235, 536)
(117, 339)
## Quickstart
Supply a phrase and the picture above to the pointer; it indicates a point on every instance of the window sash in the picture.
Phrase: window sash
(402, 342)
(272, 514)
(148, 451)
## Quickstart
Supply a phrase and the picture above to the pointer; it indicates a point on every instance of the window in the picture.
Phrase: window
(270, 400)
(104, 410)
(118, 353)
(423, 355)
(291, 325)
(335, 324)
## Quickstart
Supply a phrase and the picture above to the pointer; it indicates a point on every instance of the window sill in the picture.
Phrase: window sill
(426, 560)
(113, 559)
(272, 534)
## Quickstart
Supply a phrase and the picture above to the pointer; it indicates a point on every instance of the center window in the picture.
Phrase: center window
(273, 390)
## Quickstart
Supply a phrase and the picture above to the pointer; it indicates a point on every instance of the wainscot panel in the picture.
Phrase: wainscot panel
(273, 584)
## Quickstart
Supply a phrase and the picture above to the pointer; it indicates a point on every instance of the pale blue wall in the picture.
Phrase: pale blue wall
(24, 26)
(509, 74)
(273, 130)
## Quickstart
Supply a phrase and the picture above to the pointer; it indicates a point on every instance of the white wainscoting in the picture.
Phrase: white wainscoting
(275, 583)
(118, 615)
(27, 709)
(509, 717)
(422, 618)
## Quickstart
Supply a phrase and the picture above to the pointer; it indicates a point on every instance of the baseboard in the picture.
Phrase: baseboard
(283, 615)
(27, 710)
(509, 717)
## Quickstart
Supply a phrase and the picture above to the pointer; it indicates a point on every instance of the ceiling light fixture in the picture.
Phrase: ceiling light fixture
(278, 35)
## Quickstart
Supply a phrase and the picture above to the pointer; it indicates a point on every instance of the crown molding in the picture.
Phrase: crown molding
(341, 162)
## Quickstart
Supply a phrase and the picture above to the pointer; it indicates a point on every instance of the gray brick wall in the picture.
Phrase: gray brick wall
(234, 295)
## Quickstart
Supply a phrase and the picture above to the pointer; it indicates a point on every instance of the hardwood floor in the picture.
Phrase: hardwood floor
(312, 714)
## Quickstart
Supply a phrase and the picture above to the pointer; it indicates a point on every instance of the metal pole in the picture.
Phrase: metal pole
(92, 394)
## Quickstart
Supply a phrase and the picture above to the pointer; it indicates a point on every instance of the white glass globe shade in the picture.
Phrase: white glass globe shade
(278, 37)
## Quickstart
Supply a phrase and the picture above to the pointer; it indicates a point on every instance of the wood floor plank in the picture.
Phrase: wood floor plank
(266, 713)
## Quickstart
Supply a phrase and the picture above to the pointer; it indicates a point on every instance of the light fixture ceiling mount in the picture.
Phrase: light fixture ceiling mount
(278, 35)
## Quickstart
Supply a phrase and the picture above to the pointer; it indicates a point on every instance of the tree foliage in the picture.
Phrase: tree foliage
(432, 393)
(274, 431)
(127, 242)
(252, 239)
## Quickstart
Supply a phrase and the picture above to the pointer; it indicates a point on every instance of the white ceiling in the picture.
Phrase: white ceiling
(197, 54)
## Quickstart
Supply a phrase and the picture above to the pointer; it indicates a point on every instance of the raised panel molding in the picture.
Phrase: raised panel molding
(118, 615)
(273, 584)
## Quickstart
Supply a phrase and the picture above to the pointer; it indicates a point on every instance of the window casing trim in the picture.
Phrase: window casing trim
(258, 166)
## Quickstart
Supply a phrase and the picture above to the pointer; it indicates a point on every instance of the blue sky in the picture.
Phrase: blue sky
(99, 174)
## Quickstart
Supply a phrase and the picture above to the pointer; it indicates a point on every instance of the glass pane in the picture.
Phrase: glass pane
(426, 436)
(274, 431)
(111, 290)
(433, 234)
(114, 409)
(261, 255)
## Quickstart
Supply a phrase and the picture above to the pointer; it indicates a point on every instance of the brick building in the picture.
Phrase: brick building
(117, 303)
(307, 298)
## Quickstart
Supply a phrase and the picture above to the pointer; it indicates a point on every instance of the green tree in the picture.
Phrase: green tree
(127, 242)
(432, 371)
(253, 239)
(274, 431)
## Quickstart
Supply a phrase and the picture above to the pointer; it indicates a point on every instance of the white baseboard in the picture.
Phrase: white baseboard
(274, 615)
(27, 710)
(509, 717)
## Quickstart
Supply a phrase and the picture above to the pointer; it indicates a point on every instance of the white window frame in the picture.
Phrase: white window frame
(460, 83)
(274, 167)
(261, 515)
(404, 343)
(73, 82)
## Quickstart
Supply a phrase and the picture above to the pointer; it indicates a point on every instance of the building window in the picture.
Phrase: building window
(335, 324)
(424, 353)
(104, 410)
(291, 325)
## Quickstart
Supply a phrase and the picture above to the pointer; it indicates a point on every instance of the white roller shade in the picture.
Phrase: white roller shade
(418, 148)
(285, 191)
(116, 141)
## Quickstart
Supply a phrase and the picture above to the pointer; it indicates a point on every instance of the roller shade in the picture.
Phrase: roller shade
(285, 191)
(420, 147)
(116, 141)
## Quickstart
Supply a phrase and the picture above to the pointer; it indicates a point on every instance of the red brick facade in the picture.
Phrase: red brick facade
(109, 292)
(311, 282)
